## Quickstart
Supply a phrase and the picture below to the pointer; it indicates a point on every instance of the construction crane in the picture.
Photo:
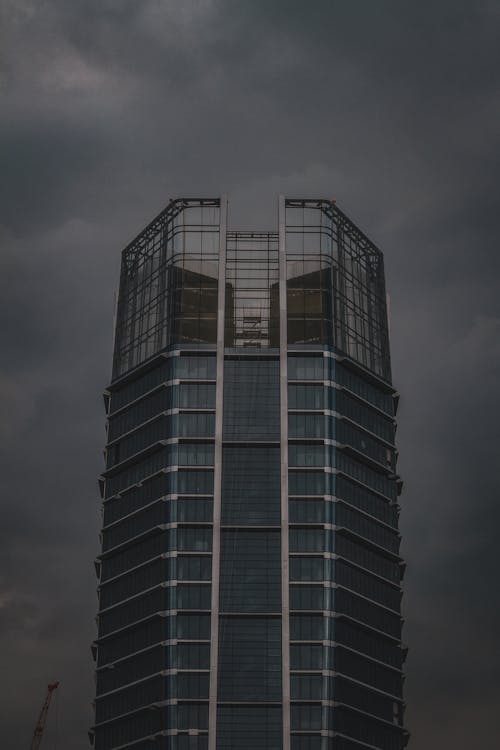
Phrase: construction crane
(40, 725)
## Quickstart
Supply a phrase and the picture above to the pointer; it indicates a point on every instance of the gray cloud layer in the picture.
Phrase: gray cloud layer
(110, 108)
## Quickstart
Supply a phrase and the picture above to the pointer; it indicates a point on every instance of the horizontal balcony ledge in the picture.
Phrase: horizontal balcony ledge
(393, 556)
(389, 500)
(363, 458)
(135, 458)
(162, 643)
(393, 638)
(161, 499)
(247, 442)
(240, 613)
(368, 515)
(395, 613)
(174, 411)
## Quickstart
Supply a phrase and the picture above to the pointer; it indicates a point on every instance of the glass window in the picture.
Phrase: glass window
(368, 613)
(367, 585)
(307, 742)
(140, 385)
(307, 568)
(367, 558)
(367, 501)
(194, 509)
(192, 715)
(306, 686)
(307, 716)
(306, 425)
(194, 454)
(146, 692)
(368, 642)
(195, 539)
(136, 581)
(137, 472)
(197, 396)
(306, 510)
(306, 396)
(142, 636)
(196, 425)
(359, 385)
(305, 454)
(188, 367)
(305, 368)
(307, 540)
(307, 627)
(307, 483)
(193, 627)
(153, 515)
(193, 596)
(361, 413)
(194, 568)
(143, 550)
(192, 482)
(306, 656)
(306, 597)
(193, 656)
(135, 668)
(364, 474)
(362, 442)
(367, 527)
(194, 685)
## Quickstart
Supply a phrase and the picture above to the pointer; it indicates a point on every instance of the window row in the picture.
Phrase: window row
(130, 670)
(373, 479)
(367, 585)
(180, 716)
(311, 510)
(362, 414)
(183, 596)
(358, 439)
(366, 501)
(184, 626)
(182, 368)
(368, 558)
(193, 685)
(367, 527)
(181, 568)
(180, 454)
(362, 387)
(189, 424)
(368, 613)
(182, 509)
(183, 539)
(369, 672)
(182, 396)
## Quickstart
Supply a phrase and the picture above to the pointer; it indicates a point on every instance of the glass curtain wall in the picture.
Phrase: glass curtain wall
(345, 571)
(153, 646)
(250, 578)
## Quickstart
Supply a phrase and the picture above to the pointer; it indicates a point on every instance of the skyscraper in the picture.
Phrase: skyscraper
(250, 577)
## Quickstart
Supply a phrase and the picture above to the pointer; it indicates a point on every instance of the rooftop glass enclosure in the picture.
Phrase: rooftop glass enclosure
(249, 578)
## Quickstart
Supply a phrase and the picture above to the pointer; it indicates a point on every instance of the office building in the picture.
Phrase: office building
(250, 577)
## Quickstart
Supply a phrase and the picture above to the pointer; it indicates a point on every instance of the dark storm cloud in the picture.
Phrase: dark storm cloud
(110, 108)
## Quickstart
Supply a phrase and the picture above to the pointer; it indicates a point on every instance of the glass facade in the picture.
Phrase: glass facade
(249, 578)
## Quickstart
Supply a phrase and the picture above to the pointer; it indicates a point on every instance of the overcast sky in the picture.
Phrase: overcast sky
(109, 108)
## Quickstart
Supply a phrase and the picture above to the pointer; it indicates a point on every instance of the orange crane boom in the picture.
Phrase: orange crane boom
(40, 725)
